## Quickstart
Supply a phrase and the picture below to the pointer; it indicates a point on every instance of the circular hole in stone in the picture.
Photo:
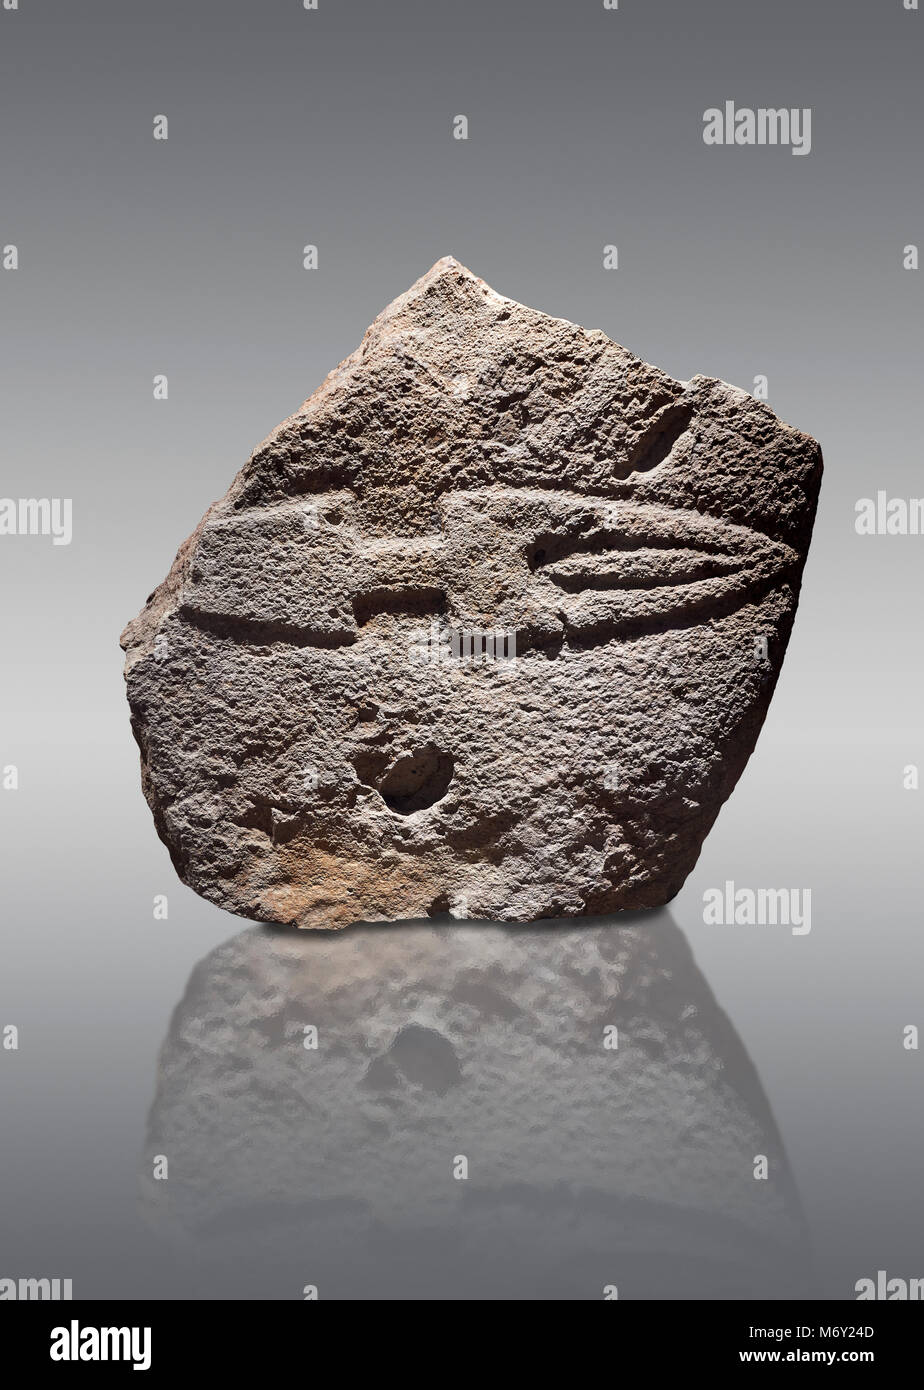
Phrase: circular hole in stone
(417, 780)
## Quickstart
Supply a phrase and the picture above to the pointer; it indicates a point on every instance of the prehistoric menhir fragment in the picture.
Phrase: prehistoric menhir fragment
(488, 627)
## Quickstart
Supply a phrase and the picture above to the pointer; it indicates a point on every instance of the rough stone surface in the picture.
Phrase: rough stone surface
(587, 1165)
(475, 466)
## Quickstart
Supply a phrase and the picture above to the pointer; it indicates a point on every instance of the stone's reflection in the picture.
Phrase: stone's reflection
(587, 1166)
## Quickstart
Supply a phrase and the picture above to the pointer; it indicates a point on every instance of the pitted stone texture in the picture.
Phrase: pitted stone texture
(608, 1112)
(474, 466)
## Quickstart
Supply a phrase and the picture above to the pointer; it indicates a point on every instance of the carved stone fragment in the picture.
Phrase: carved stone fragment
(489, 627)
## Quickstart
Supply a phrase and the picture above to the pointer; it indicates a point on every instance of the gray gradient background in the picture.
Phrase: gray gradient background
(184, 257)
